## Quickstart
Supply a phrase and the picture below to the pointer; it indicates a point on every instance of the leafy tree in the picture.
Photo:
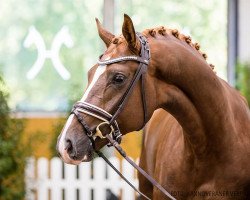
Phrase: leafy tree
(243, 80)
(12, 151)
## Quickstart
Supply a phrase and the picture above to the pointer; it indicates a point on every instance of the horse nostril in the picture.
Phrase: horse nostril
(68, 146)
(70, 149)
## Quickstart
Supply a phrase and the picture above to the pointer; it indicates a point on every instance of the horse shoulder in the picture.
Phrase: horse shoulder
(156, 133)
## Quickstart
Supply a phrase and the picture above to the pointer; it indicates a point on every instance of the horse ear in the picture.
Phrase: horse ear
(128, 32)
(105, 35)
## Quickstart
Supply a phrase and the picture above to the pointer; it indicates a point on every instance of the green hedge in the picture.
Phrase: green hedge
(13, 151)
(243, 80)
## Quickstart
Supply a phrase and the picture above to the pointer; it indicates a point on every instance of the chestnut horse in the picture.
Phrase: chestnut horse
(197, 141)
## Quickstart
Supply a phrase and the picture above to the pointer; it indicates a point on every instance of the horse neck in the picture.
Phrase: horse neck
(191, 92)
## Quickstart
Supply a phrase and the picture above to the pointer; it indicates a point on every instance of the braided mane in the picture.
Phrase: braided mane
(165, 31)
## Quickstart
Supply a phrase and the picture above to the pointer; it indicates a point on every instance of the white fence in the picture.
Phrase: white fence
(54, 180)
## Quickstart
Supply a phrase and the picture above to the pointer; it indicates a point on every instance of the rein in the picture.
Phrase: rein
(115, 136)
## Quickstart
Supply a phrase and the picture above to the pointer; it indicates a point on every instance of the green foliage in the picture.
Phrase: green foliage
(12, 151)
(243, 80)
(57, 128)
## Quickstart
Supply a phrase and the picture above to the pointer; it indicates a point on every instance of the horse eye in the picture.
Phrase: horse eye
(119, 79)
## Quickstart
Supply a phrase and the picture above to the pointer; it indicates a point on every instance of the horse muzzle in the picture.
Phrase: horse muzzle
(73, 153)
(73, 146)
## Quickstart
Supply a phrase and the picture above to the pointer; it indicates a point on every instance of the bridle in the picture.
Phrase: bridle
(114, 137)
(107, 118)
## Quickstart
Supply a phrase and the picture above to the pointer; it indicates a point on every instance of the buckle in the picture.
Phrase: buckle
(99, 132)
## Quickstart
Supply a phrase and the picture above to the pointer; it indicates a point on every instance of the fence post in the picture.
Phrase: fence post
(128, 171)
(113, 178)
(99, 172)
(56, 167)
(85, 180)
(70, 178)
(42, 175)
(30, 178)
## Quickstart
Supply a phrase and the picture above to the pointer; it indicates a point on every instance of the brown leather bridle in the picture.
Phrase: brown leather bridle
(103, 115)
(114, 137)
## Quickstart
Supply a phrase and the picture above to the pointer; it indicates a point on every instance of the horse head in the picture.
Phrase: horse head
(108, 85)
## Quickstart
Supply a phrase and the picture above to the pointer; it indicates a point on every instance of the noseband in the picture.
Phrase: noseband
(107, 118)
(114, 137)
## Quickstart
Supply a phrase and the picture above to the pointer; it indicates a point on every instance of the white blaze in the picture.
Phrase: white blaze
(99, 71)
(61, 146)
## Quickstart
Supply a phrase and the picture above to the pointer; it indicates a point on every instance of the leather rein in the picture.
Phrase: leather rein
(115, 136)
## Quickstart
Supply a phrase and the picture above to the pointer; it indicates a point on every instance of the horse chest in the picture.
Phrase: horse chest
(176, 169)
(188, 179)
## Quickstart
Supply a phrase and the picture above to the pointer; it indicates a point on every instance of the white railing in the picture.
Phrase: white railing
(54, 180)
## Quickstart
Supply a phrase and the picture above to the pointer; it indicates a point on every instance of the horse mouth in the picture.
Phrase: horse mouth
(88, 157)
(75, 161)
(72, 153)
